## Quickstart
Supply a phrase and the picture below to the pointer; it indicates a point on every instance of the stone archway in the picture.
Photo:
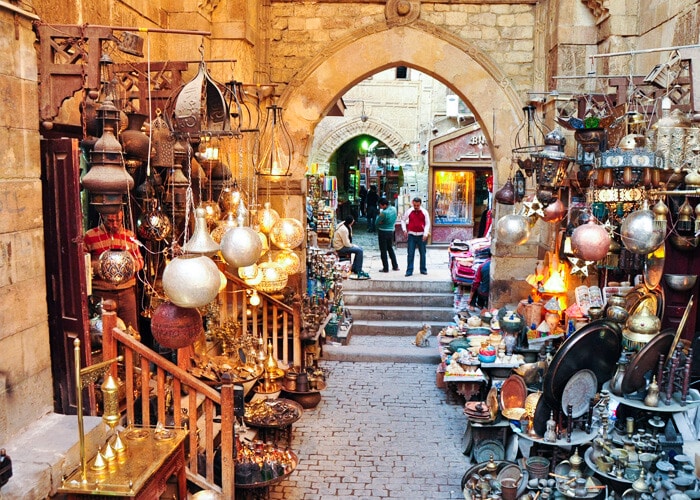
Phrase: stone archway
(337, 137)
(471, 73)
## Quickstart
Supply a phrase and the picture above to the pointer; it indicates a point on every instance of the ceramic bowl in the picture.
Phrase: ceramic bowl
(487, 359)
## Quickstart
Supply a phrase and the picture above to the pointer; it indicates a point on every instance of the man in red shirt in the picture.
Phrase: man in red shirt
(111, 234)
(416, 227)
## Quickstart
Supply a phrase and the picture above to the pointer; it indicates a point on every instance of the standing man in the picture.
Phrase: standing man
(111, 234)
(372, 200)
(385, 235)
(416, 227)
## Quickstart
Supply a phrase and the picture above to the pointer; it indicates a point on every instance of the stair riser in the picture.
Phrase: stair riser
(391, 299)
(416, 315)
(407, 286)
(406, 329)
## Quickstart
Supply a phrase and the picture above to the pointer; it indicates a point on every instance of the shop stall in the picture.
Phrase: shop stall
(459, 180)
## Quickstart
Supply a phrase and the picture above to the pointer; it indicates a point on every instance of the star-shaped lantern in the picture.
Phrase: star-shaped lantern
(580, 266)
(533, 207)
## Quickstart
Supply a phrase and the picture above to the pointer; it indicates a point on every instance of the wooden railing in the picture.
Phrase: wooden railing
(271, 319)
(207, 413)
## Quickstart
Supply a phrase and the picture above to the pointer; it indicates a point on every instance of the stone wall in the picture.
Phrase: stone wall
(26, 391)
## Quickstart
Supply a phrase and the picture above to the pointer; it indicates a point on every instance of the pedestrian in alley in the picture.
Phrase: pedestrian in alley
(371, 209)
(385, 235)
(342, 244)
(363, 201)
(111, 234)
(416, 227)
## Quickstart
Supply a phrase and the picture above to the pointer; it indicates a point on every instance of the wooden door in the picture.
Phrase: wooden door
(65, 269)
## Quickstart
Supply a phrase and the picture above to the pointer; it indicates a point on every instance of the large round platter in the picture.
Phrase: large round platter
(487, 449)
(513, 392)
(578, 392)
(646, 359)
(595, 346)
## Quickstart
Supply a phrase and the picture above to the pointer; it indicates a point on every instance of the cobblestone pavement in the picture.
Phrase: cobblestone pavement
(381, 430)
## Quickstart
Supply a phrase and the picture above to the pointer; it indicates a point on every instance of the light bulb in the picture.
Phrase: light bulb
(254, 299)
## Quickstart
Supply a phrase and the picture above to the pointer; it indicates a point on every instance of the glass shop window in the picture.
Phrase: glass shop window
(454, 197)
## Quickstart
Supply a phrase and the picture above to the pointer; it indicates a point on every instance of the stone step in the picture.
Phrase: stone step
(383, 349)
(403, 285)
(393, 328)
(47, 451)
(384, 297)
(407, 313)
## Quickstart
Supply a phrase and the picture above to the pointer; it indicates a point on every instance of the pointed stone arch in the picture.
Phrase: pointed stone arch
(376, 128)
(470, 72)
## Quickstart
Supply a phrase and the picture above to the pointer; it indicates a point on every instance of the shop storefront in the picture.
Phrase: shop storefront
(459, 183)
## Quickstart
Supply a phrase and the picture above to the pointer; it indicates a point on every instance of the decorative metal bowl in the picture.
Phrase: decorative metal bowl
(680, 282)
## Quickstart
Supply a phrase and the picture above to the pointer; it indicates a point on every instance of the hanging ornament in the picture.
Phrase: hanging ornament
(116, 266)
(263, 241)
(242, 213)
(506, 195)
(533, 207)
(175, 327)
(191, 280)
(519, 184)
(579, 266)
(241, 247)
(153, 224)
(256, 278)
(274, 278)
(212, 212)
(287, 233)
(512, 229)
(661, 214)
(267, 217)
(684, 224)
(201, 242)
(222, 227)
(289, 261)
(638, 233)
(248, 272)
(554, 212)
(230, 197)
(590, 241)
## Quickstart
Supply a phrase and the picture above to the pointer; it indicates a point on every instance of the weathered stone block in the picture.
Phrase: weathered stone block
(20, 205)
(24, 306)
(21, 256)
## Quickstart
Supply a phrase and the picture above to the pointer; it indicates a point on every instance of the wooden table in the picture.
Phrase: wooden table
(141, 471)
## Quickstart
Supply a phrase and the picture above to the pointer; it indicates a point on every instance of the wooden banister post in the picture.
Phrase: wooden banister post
(227, 431)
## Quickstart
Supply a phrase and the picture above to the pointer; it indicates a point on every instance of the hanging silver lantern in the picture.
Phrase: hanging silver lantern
(287, 234)
(289, 261)
(191, 280)
(638, 232)
(241, 247)
(590, 241)
(513, 229)
(267, 217)
(116, 266)
(201, 241)
(274, 277)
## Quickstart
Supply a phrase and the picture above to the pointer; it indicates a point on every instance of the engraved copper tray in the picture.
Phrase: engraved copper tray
(595, 346)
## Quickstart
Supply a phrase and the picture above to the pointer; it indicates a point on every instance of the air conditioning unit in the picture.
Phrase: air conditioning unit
(452, 106)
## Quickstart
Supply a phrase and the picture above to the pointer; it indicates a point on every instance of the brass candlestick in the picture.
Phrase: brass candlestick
(83, 377)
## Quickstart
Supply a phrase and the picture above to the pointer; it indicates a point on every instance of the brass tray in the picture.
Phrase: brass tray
(595, 346)
(646, 359)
